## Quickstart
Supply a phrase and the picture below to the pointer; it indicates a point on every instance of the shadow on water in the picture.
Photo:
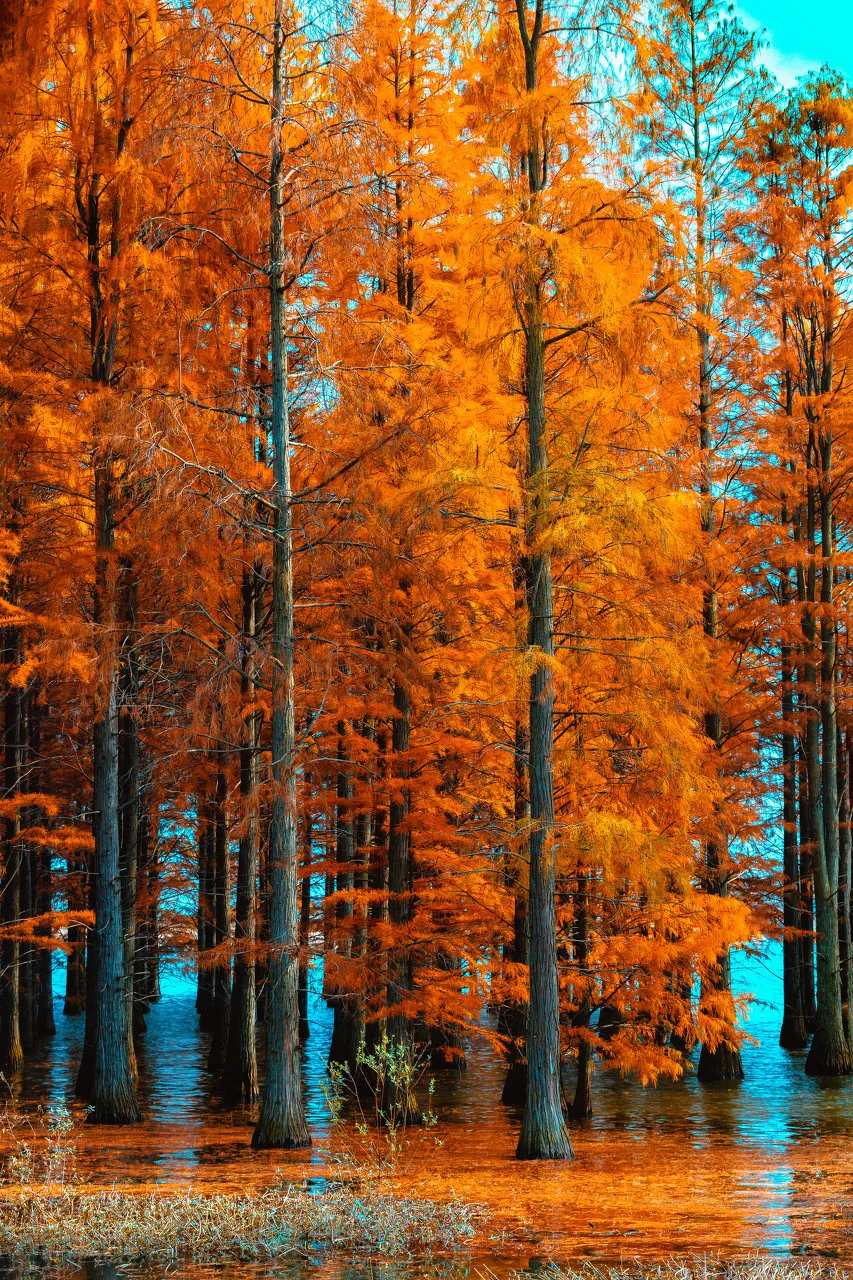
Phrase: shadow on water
(681, 1168)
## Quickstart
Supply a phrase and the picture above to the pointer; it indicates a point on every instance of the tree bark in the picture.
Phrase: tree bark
(348, 1022)
(844, 885)
(282, 1120)
(240, 1078)
(114, 1086)
(829, 1053)
(793, 1034)
(221, 1010)
(544, 1135)
(11, 1052)
(398, 1023)
(75, 964)
(305, 914)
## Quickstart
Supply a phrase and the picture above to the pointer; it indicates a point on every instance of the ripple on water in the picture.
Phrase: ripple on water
(766, 1164)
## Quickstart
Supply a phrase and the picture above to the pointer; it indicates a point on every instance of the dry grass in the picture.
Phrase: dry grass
(72, 1223)
(696, 1268)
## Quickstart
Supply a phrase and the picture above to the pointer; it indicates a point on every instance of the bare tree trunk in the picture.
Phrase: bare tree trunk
(45, 1023)
(305, 914)
(222, 925)
(129, 787)
(75, 964)
(399, 960)
(807, 940)
(86, 1071)
(544, 1135)
(377, 882)
(114, 1084)
(348, 1021)
(581, 1107)
(829, 1053)
(11, 1052)
(241, 1064)
(844, 885)
(282, 1120)
(793, 1034)
(26, 963)
(204, 991)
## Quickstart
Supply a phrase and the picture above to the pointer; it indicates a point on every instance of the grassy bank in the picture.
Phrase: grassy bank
(75, 1223)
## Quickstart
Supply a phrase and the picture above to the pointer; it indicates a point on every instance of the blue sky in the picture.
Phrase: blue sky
(802, 34)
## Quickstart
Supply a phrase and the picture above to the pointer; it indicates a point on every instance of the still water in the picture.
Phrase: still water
(682, 1168)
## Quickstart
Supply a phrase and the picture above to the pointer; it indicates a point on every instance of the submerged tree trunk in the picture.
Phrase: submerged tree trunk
(514, 1014)
(793, 1034)
(240, 1078)
(305, 915)
(581, 1106)
(129, 787)
(282, 1120)
(113, 1091)
(844, 885)
(26, 963)
(544, 1135)
(113, 1086)
(806, 900)
(11, 1052)
(75, 964)
(86, 1071)
(829, 1053)
(543, 1129)
(43, 879)
(147, 956)
(348, 1022)
(398, 1023)
(205, 926)
(377, 883)
(221, 1006)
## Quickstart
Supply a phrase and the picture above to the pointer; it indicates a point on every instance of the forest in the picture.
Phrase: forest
(425, 545)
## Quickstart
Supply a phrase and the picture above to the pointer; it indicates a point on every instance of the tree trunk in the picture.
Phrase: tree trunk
(11, 1052)
(377, 883)
(240, 1077)
(806, 924)
(844, 885)
(793, 1034)
(129, 787)
(45, 1023)
(829, 1053)
(205, 926)
(147, 959)
(399, 962)
(282, 1120)
(348, 1023)
(221, 926)
(75, 964)
(513, 1014)
(544, 1135)
(86, 1071)
(114, 1085)
(305, 914)
(26, 963)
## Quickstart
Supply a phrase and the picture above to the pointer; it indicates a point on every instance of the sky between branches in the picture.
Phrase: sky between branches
(802, 34)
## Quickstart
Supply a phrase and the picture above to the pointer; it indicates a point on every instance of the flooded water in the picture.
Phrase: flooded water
(682, 1168)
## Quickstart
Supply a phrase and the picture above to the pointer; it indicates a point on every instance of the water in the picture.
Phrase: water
(764, 1165)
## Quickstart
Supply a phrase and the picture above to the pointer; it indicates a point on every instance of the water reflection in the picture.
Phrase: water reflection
(765, 1164)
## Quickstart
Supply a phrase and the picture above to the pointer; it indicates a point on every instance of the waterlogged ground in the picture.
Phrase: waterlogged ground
(765, 1165)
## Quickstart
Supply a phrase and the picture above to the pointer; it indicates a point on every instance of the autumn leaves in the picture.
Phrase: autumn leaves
(424, 476)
